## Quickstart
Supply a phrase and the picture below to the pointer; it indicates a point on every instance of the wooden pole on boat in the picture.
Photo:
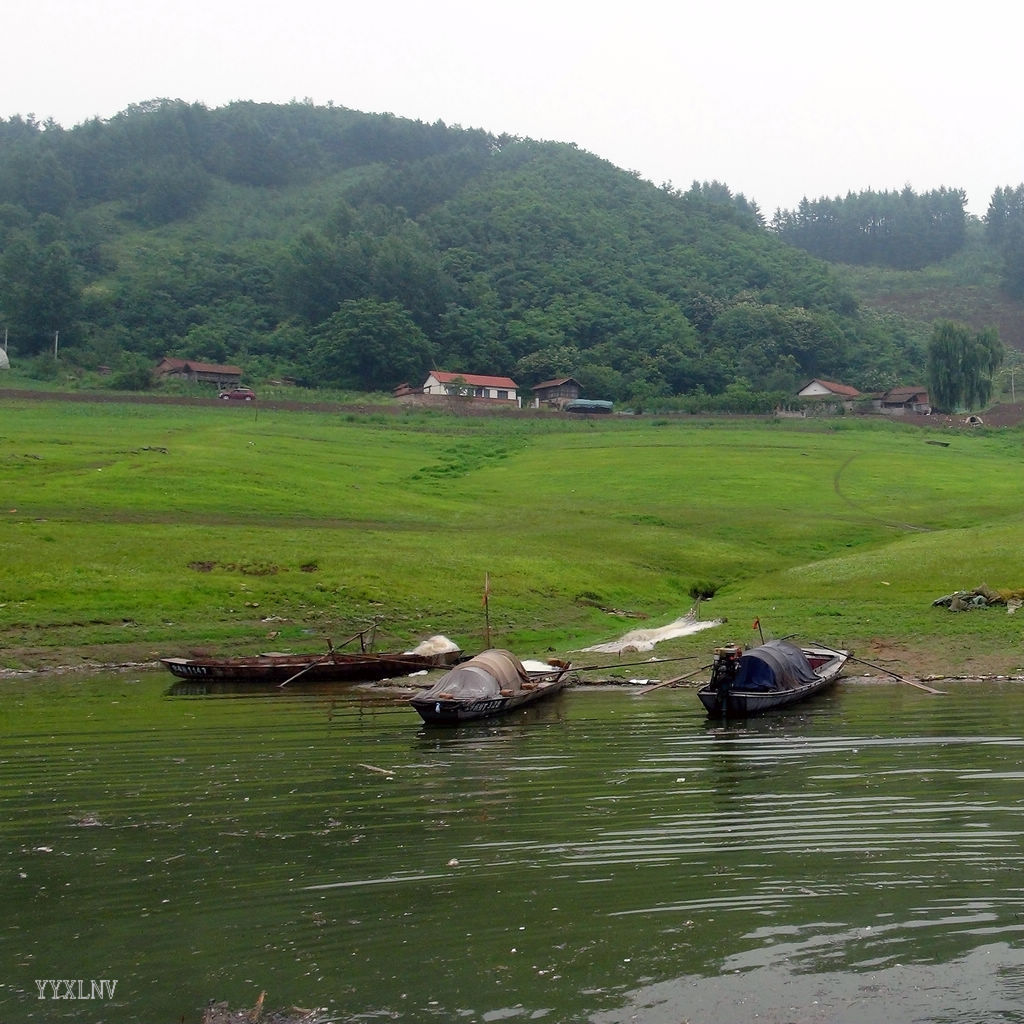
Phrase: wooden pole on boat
(881, 668)
(669, 682)
(487, 610)
(312, 664)
(360, 636)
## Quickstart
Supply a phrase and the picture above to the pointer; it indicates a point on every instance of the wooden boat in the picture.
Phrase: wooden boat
(275, 669)
(495, 682)
(772, 675)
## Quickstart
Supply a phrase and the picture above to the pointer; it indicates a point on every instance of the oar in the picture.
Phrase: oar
(669, 682)
(888, 672)
(312, 664)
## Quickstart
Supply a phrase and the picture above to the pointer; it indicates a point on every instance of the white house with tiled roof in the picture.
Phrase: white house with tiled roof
(827, 389)
(471, 385)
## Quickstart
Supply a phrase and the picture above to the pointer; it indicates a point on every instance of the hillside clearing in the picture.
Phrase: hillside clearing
(138, 531)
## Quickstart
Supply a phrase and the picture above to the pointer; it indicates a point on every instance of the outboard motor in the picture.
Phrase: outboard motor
(724, 667)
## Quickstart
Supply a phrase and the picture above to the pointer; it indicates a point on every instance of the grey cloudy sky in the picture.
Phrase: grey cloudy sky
(779, 101)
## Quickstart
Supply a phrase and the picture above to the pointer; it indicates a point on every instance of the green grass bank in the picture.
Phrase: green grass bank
(134, 531)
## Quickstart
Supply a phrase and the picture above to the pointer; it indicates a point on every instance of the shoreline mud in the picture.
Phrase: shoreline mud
(406, 685)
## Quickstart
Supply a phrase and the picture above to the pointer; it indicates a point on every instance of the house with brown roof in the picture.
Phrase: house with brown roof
(471, 385)
(557, 393)
(897, 401)
(826, 397)
(202, 373)
(827, 389)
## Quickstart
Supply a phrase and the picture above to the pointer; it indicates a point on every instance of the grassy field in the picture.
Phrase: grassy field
(134, 531)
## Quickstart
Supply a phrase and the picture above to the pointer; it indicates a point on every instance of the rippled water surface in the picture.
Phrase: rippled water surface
(605, 857)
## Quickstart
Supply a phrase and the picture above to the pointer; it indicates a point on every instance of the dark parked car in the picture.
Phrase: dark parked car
(242, 394)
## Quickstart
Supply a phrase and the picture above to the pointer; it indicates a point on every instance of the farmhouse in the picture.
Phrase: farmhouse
(822, 397)
(827, 389)
(471, 385)
(897, 401)
(556, 392)
(203, 373)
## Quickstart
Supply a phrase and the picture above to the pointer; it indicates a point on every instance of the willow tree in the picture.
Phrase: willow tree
(961, 365)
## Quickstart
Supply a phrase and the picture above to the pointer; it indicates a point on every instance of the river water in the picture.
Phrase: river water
(603, 858)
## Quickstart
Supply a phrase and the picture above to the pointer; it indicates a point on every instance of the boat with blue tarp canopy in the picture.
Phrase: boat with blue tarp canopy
(775, 674)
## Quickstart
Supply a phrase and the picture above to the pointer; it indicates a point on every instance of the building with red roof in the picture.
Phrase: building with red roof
(471, 385)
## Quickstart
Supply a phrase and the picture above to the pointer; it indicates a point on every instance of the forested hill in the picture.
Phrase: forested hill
(360, 251)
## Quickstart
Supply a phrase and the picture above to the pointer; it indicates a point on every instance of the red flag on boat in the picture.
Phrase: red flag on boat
(757, 623)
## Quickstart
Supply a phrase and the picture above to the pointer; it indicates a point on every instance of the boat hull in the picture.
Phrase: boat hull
(826, 664)
(273, 670)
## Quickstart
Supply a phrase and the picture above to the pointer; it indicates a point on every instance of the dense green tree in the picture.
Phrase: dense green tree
(547, 364)
(167, 190)
(370, 346)
(133, 373)
(962, 365)
(1012, 255)
(895, 229)
(471, 336)
(313, 276)
(778, 345)
(600, 382)
(719, 193)
(38, 294)
(373, 255)
(1004, 230)
(702, 310)
(225, 330)
(1005, 208)
(34, 178)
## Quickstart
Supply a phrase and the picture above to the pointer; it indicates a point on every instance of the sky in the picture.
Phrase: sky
(779, 101)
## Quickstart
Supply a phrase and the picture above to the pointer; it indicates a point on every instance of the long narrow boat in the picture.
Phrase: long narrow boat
(334, 667)
(495, 682)
(772, 675)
